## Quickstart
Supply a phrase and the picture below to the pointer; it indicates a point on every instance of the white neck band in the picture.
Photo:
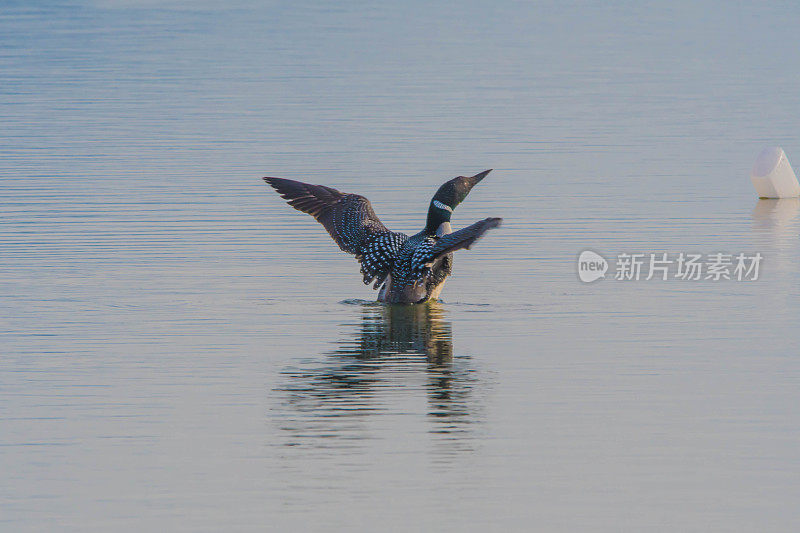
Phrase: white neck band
(440, 205)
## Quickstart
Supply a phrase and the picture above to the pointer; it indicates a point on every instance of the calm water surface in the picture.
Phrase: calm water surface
(182, 351)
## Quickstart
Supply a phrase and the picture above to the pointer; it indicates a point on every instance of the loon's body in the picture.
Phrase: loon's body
(407, 269)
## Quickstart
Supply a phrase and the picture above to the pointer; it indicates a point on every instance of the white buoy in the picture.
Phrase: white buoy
(772, 175)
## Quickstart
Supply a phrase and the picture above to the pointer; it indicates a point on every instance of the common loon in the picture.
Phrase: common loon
(408, 269)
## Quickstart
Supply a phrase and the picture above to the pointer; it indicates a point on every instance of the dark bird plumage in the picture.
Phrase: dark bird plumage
(411, 269)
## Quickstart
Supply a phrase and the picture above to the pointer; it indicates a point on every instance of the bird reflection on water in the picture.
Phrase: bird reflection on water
(392, 356)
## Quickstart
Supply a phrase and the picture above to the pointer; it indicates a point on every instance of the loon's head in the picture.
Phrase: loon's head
(448, 197)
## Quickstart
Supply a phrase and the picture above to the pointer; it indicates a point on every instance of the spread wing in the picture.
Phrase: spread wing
(351, 222)
(461, 239)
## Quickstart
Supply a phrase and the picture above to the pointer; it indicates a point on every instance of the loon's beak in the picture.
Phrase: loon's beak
(474, 180)
(471, 182)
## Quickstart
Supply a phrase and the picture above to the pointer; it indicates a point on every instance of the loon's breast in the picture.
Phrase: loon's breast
(417, 283)
(437, 290)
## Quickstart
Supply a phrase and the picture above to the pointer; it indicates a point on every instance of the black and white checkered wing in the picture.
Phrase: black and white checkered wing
(351, 222)
(434, 248)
